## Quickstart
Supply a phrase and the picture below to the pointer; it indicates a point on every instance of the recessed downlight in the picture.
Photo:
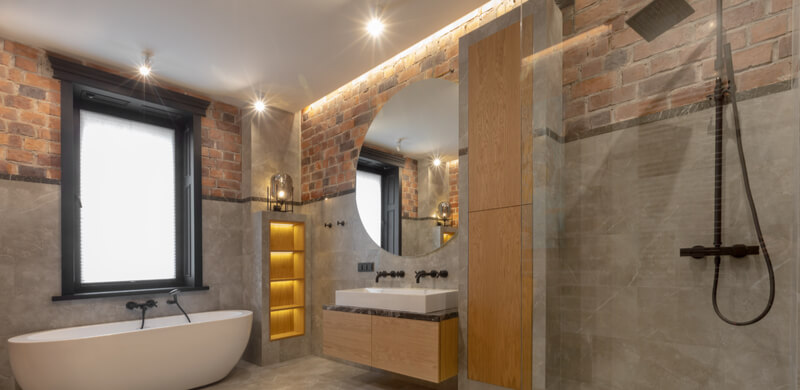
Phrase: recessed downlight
(375, 27)
(145, 68)
(259, 105)
(437, 162)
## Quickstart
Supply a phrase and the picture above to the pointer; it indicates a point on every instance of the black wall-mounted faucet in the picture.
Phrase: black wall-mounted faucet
(141, 306)
(433, 274)
(394, 274)
(174, 301)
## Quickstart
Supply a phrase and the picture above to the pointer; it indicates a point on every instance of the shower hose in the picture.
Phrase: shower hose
(753, 212)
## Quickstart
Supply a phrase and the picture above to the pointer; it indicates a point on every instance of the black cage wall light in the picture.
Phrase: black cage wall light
(281, 193)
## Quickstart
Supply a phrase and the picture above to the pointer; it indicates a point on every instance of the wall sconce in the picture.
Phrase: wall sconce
(444, 213)
(281, 193)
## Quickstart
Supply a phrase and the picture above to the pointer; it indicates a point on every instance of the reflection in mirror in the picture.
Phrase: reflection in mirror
(407, 178)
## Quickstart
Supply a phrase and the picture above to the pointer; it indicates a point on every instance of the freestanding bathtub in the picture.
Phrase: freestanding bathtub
(168, 354)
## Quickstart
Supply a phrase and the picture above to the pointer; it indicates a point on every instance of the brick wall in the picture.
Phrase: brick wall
(618, 76)
(611, 76)
(333, 128)
(409, 188)
(222, 151)
(452, 172)
(30, 125)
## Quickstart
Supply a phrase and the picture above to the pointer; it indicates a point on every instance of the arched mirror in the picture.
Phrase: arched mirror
(407, 179)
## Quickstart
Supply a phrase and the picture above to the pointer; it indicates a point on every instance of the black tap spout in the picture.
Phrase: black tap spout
(381, 274)
(174, 301)
(420, 274)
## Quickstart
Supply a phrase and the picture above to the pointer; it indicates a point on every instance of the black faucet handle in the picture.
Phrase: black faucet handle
(401, 274)
(434, 274)
(151, 303)
(131, 305)
(443, 273)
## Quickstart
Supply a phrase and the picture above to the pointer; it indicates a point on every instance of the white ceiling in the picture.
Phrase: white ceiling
(425, 116)
(295, 51)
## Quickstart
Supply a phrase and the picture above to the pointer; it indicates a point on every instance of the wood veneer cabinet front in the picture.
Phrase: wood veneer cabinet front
(425, 350)
(494, 329)
(494, 121)
(347, 336)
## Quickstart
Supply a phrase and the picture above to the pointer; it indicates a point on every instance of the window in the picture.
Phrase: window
(127, 194)
(130, 187)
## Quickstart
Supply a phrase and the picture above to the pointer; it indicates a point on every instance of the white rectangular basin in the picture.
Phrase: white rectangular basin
(415, 300)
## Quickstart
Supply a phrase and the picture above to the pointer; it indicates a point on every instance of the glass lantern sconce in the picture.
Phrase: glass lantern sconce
(444, 214)
(281, 193)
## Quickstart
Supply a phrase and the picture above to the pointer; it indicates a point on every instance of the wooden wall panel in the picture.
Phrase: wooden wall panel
(494, 329)
(494, 121)
(347, 336)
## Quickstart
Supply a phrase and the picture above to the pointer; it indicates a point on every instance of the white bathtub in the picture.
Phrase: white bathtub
(167, 354)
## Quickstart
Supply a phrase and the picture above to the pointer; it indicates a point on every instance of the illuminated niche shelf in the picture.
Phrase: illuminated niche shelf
(286, 279)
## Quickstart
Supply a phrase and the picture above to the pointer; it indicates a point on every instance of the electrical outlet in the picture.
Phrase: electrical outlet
(366, 267)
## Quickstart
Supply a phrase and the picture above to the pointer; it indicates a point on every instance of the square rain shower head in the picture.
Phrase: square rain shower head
(658, 17)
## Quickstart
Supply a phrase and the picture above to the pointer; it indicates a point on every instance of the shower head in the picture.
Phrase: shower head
(658, 17)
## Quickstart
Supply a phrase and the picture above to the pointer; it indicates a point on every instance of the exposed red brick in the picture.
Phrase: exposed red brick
(604, 11)
(35, 145)
(764, 75)
(25, 63)
(21, 50)
(19, 156)
(596, 84)
(640, 108)
(769, 28)
(754, 56)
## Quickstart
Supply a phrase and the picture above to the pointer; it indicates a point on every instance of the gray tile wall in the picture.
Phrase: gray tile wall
(30, 265)
(635, 315)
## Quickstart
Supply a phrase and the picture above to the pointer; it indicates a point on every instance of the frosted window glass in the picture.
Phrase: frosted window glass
(368, 200)
(127, 218)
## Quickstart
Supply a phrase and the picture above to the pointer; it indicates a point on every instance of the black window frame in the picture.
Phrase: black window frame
(90, 89)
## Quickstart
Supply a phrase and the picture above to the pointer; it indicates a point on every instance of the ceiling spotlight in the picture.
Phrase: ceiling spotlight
(437, 162)
(375, 27)
(145, 68)
(259, 105)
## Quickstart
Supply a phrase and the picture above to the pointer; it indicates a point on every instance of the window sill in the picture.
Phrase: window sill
(122, 293)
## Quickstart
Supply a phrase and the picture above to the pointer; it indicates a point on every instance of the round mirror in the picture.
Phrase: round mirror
(407, 178)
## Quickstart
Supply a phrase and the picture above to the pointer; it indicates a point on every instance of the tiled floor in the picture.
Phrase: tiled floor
(318, 374)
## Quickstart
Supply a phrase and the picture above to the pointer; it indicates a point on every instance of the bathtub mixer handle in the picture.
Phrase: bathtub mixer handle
(141, 306)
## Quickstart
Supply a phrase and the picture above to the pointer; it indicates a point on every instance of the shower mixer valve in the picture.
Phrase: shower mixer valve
(739, 250)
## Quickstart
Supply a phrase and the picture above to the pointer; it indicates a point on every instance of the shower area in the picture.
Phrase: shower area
(640, 257)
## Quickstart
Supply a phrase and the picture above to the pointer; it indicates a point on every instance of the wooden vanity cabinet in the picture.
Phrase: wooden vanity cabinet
(347, 336)
(420, 349)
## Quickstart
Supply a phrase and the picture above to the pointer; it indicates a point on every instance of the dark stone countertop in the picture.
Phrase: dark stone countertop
(436, 316)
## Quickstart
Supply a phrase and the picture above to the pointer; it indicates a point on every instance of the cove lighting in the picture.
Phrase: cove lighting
(450, 27)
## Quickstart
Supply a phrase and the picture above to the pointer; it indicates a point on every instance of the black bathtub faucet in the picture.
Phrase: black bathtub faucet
(141, 306)
(174, 301)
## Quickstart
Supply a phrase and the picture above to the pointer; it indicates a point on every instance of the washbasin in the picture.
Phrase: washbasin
(415, 300)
